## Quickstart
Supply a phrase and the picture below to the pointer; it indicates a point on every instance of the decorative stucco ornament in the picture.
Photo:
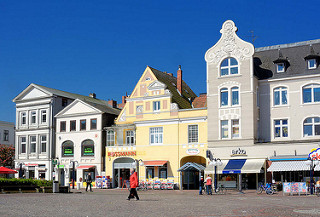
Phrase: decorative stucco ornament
(229, 45)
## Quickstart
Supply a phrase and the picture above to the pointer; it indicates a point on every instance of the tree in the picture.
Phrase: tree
(6, 155)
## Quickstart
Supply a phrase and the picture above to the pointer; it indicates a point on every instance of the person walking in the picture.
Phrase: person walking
(133, 185)
(209, 184)
(88, 181)
(201, 185)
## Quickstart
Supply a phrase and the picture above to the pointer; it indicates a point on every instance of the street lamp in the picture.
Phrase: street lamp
(215, 162)
(312, 162)
(136, 163)
(73, 164)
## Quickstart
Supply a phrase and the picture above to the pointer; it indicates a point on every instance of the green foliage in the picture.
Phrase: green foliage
(31, 182)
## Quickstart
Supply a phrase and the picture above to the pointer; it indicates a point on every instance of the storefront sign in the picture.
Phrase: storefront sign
(88, 151)
(238, 152)
(60, 166)
(315, 154)
(67, 151)
(193, 151)
(121, 153)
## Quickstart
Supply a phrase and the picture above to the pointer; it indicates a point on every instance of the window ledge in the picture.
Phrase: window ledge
(228, 76)
(310, 103)
(280, 106)
(230, 107)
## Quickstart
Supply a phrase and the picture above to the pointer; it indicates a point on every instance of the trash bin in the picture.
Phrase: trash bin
(55, 187)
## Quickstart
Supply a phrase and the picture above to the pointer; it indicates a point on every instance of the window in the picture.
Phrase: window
(62, 126)
(72, 125)
(192, 133)
(312, 64)
(229, 66)
(33, 119)
(23, 118)
(64, 102)
(6, 135)
(280, 128)
(130, 137)
(224, 129)
(110, 138)
(156, 135)
(311, 93)
(83, 124)
(163, 172)
(280, 96)
(33, 144)
(156, 106)
(235, 128)
(93, 124)
(43, 143)
(43, 116)
(280, 67)
(67, 149)
(311, 126)
(224, 96)
(235, 95)
(23, 144)
(87, 147)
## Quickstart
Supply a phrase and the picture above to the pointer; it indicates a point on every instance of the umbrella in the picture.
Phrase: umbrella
(5, 170)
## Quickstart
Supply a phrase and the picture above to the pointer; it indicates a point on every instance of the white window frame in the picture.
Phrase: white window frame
(156, 106)
(6, 135)
(111, 138)
(315, 64)
(223, 90)
(130, 137)
(23, 115)
(231, 95)
(43, 142)
(156, 133)
(229, 92)
(193, 133)
(23, 143)
(233, 125)
(312, 87)
(281, 126)
(280, 90)
(229, 66)
(313, 124)
(229, 126)
(226, 127)
(283, 67)
(35, 117)
(31, 143)
(43, 113)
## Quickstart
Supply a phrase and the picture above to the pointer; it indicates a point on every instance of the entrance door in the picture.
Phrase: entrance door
(61, 175)
(190, 179)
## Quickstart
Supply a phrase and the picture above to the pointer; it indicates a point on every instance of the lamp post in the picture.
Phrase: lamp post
(312, 162)
(136, 163)
(215, 162)
(73, 164)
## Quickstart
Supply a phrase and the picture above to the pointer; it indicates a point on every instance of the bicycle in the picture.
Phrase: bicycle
(221, 189)
(267, 188)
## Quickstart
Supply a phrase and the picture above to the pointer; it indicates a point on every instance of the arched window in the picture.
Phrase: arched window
(235, 96)
(229, 66)
(280, 96)
(311, 126)
(224, 97)
(87, 148)
(311, 93)
(67, 149)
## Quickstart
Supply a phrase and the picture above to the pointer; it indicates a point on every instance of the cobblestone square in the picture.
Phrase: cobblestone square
(113, 202)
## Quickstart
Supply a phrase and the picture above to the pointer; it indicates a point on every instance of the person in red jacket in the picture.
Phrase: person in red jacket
(133, 185)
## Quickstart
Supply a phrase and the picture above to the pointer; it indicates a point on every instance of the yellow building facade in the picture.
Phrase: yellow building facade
(159, 128)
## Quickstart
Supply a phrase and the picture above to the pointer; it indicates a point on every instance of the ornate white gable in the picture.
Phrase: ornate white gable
(229, 45)
(157, 85)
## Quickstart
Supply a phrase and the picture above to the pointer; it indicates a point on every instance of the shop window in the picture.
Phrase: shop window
(92, 173)
(87, 147)
(281, 128)
(130, 137)
(156, 135)
(110, 138)
(192, 133)
(93, 124)
(311, 93)
(163, 174)
(229, 66)
(67, 149)
(150, 172)
(280, 96)
(311, 126)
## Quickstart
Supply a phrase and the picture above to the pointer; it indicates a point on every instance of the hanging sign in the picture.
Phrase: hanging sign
(193, 151)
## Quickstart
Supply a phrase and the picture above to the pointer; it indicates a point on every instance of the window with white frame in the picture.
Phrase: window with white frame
(6, 135)
(281, 128)
(229, 66)
(311, 126)
(224, 97)
(156, 106)
(23, 144)
(43, 116)
(192, 133)
(156, 135)
(280, 67)
(280, 96)
(87, 147)
(43, 143)
(311, 93)
(33, 144)
(235, 128)
(235, 96)
(110, 138)
(224, 129)
(230, 129)
(312, 64)
(130, 137)
(23, 118)
(33, 117)
(67, 149)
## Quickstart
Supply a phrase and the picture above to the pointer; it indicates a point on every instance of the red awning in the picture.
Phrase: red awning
(84, 167)
(155, 163)
(5, 170)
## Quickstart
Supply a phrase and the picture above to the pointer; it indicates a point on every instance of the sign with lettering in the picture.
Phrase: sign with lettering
(67, 151)
(238, 152)
(122, 153)
(88, 150)
(315, 154)
(193, 151)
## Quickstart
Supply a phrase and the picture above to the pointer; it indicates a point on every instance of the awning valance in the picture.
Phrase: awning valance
(237, 166)
(234, 166)
(84, 167)
(191, 165)
(155, 163)
(298, 165)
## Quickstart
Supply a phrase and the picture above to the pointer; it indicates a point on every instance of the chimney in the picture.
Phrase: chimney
(112, 103)
(124, 99)
(179, 80)
(93, 95)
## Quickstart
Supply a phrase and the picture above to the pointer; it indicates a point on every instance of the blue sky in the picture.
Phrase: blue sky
(104, 46)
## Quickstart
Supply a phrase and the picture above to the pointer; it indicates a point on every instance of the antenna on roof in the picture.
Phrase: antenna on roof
(253, 37)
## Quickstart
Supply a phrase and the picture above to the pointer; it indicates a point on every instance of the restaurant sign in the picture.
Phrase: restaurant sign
(315, 154)
(193, 151)
(238, 152)
(122, 153)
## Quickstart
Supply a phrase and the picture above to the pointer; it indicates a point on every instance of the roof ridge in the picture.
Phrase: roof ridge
(294, 44)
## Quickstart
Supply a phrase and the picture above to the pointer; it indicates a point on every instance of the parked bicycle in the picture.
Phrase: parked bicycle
(221, 189)
(267, 188)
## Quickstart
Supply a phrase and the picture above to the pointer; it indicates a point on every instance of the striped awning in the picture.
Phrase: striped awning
(237, 166)
(290, 165)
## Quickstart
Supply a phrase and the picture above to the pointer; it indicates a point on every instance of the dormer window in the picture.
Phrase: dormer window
(280, 67)
(312, 64)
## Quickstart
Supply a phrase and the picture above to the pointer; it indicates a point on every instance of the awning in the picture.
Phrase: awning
(253, 166)
(84, 167)
(191, 165)
(5, 170)
(298, 165)
(210, 169)
(234, 166)
(155, 163)
(237, 166)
